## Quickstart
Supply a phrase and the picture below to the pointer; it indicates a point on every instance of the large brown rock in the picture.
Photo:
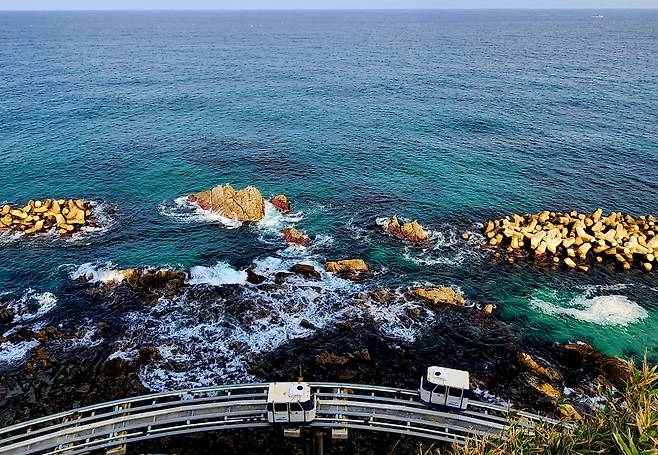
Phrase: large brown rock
(531, 364)
(295, 237)
(438, 296)
(609, 367)
(411, 231)
(246, 204)
(347, 266)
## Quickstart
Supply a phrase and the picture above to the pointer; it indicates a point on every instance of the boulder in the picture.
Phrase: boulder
(306, 270)
(438, 296)
(252, 276)
(380, 295)
(610, 367)
(411, 231)
(6, 315)
(347, 266)
(531, 364)
(295, 237)
(280, 201)
(246, 204)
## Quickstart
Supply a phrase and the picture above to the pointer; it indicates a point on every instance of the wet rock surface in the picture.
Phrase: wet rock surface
(411, 231)
(348, 345)
(246, 204)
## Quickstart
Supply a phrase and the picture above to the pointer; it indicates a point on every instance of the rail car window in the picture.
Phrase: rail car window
(307, 405)
(454, 392)
(296, 407)
(440, 389)
(280, 407)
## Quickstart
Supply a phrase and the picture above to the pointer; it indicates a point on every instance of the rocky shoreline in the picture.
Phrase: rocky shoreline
(561, 379)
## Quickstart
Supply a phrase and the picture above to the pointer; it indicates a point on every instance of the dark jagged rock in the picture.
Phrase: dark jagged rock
(253, 277)
(6, 315)
(306, 270)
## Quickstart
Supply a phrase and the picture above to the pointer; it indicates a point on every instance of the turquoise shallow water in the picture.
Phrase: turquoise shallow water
(448, 117)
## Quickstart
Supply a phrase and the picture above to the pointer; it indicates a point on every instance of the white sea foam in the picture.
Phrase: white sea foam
(97, 273)
(32, 305)
(603, 310)
(12, 353)
(219, 339)
(185, 211)
(218, 275)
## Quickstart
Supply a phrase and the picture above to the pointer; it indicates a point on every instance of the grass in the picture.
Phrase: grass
(626, 424)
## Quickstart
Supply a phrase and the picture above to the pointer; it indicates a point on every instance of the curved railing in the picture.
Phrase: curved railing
(362, 407)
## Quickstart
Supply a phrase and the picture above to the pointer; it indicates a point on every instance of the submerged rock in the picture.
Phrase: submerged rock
(438, 296)
(246, 204)
(252, 276)
(295, 237)
(411, 231)
(6, 315)
(280, 201)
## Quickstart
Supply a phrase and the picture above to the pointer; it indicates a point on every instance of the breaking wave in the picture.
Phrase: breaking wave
(220, 333)
(97, 273)
(185, 211)
(219, 275)
(32, 305)
(12, 353)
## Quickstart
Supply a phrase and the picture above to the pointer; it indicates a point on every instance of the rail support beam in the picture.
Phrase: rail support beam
(318, 442)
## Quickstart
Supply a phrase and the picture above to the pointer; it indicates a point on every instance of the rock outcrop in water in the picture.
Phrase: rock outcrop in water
(295, 237)
(411, 231)
(246, 204)
(350, 268)
(150, 283)
(40, 216)
(578, 239)
(280, 201)
(438, 296)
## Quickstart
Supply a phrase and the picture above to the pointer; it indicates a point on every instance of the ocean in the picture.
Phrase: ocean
(448, 117)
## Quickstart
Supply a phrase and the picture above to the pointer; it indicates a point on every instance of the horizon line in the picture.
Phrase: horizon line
(608, 8)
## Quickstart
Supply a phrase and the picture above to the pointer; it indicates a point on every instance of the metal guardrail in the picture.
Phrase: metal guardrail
(361, 407)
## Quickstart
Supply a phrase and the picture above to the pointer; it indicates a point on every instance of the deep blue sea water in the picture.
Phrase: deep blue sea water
(450, 117)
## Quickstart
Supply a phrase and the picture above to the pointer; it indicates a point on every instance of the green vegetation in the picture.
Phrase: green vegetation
(626, 424)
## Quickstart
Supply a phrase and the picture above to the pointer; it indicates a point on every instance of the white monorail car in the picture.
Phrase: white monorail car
(290, 403)
(445, 387)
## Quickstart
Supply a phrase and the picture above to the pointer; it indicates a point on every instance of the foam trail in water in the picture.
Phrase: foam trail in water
(220, 274)
(603, 310)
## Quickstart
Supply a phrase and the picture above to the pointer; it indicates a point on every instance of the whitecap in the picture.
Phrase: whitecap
(219, 275)
(12, 353)
(98, 274)
(32, 305)
(602, 310)
(185, 211)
